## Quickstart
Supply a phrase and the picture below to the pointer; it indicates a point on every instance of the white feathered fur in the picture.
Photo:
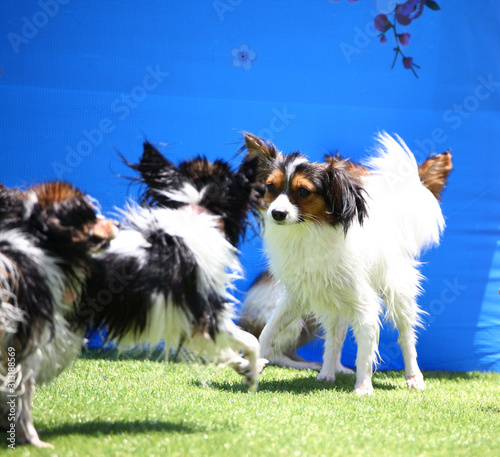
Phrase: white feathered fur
(219, 267)
(346, 278)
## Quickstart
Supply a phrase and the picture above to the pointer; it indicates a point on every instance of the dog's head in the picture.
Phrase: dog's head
(200, 183)
(66, 219)
(298, 191)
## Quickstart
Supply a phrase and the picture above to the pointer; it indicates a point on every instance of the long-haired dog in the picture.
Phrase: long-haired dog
(265, 291)
(47, 235)
(167, 275)
(343, 246)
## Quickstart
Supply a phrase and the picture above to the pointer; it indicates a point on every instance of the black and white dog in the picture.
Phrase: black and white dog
(47, 236)
(168, 273)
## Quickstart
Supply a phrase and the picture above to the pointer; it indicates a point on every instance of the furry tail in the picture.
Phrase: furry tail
(412, 205)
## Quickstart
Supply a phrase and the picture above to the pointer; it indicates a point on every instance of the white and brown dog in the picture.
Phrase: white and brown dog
(343, 242)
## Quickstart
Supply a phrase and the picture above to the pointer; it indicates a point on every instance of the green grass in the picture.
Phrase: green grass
(110, 406)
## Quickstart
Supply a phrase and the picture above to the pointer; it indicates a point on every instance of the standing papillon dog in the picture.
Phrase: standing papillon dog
(265, 292)
(166, 277)
(343, 245)
(47, 236)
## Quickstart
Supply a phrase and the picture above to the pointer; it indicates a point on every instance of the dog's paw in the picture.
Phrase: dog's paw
(34, 440)
(364, 388)
(261, 364)
(415, 382)
(325, 377)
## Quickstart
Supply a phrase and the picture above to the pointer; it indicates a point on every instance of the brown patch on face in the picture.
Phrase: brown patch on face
(303, 193)
(276, 180)
(434, 172)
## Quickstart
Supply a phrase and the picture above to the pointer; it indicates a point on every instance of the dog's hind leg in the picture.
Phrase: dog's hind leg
(403, 310)
(405, 323)
(25, 429)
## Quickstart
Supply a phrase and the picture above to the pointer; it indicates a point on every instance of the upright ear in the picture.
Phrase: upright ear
(344, 196)
(434, 172)
(263, 151)
(158, 173)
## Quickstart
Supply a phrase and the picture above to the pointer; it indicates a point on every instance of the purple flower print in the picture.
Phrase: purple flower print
(410, 10)
(382, 23)
(404, 39)
(408, 62)
(243, 57)
(404, 14)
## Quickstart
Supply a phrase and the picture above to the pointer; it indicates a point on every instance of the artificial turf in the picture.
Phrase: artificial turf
(110, 405)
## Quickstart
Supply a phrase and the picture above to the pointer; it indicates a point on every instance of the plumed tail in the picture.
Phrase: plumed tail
(398, 190)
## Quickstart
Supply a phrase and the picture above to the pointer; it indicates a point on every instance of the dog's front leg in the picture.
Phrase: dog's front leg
(336, 329)
(283, 315)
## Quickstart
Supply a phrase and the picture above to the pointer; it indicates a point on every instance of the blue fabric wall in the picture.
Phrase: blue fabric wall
(80, 80)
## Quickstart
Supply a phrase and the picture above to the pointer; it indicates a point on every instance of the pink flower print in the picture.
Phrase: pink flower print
(382, 23)
(408, 11)
(243, 57)
(404, 39)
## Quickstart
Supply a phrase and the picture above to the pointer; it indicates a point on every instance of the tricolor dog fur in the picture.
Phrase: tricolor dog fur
(265, 291)
(344, 242)
(167, 276)
(47, 235)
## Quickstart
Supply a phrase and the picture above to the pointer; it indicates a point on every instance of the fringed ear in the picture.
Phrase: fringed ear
(157, 173)
(345, 197)
(263, 150)
(434, 172)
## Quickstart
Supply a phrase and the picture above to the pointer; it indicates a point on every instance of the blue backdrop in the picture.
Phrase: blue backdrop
(80, 80)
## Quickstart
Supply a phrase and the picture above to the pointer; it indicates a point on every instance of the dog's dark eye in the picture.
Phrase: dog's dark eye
(271, 188)
(303, 192)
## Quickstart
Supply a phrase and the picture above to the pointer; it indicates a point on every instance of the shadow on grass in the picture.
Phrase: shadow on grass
(450, 375)
(99, 428)
(299, 386)
(156, 355)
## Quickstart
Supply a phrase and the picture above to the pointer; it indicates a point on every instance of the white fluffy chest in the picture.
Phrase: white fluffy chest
(318, 265)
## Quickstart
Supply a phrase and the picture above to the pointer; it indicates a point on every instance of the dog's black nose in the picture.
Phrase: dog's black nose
(278, 216)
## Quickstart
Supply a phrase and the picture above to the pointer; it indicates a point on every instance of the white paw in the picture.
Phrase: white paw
(415, 382)
(261, 364)
(364, 388)
(325, 377)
